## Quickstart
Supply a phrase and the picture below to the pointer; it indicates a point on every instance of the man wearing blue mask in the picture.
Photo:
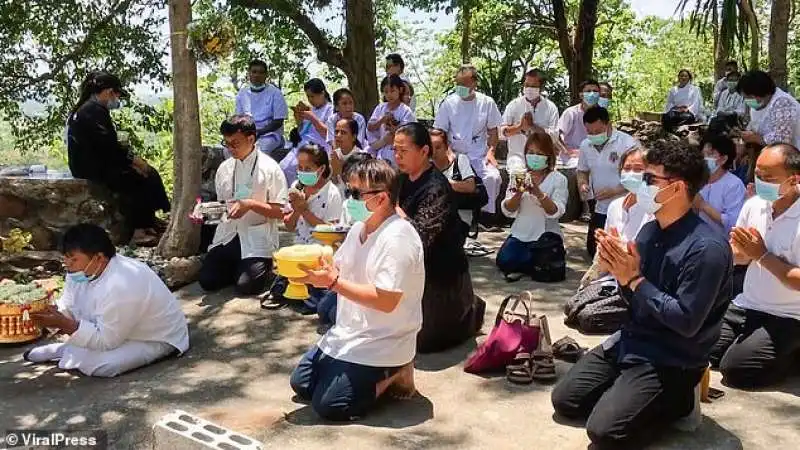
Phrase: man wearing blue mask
(598, 167)
(264, 102)
(571, 122)
(253, 187)
(760, 339)
(606, 95)
(378, 274)
(676, 278)
(471, 121)
(116, 311)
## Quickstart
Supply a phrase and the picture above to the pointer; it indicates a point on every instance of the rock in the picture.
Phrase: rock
(648, 132)
(212, 158)
(46, 207)
(38, 263)
(179, 272)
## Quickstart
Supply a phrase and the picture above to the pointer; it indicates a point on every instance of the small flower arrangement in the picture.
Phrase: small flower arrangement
(212, 38)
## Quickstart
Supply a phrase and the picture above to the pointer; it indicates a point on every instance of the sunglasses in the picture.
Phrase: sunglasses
(355, 194)
(650, 178)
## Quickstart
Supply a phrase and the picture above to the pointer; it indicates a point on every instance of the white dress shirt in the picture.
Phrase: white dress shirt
(530, 219)
(688, 95)
(260, 178)
(467, 123)
(545, 115)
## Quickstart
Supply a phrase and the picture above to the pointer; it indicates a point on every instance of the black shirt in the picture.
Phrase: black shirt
(676, 312)
(430, 205)
(92, 145)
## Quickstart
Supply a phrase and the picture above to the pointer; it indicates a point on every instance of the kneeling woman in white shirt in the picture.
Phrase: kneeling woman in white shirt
(536, 208)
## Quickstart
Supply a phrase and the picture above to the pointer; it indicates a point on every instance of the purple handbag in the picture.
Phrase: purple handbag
(515, 330)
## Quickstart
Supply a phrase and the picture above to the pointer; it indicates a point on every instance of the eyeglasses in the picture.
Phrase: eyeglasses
(355, 194)
(650, 178)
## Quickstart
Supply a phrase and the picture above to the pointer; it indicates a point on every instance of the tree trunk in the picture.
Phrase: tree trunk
(182, 238)
(779, 41)
(359, 54)
(577, 53)
(466, 22)
(755, 33)
(565, 45)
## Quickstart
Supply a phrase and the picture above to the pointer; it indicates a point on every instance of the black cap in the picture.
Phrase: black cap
(105, 80)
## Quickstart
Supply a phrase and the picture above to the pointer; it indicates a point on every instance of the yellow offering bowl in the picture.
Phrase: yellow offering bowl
(288, 261)
(331, 238)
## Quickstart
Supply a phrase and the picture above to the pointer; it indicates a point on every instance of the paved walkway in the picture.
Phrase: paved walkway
(238, 368)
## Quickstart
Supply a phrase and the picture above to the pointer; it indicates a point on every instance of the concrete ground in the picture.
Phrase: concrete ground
(237, 372)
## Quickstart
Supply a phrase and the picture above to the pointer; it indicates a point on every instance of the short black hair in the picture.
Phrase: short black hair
(378, 174)
(688, 72)
(418, 133)
(732, 63)
(294, 137)
(534, 73)
(723, 145)
(319, 156)
(89, 239)
(596, 113)
(339, 93)
(238, 123)
(679, 161)
(257, 63)
(607, 85)
(756, 83)
(734, 73)
(791, 156)
(393, 81)
(588, 82)
(396, 60)
(352, 161)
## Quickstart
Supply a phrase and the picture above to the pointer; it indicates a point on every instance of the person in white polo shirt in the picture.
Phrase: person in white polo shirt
(379, 276)
(471, 120)
(760, 339)
(526, 111)
(598, 167)
(253, 187)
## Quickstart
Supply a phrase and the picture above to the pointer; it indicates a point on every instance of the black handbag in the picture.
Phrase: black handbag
(474, 201)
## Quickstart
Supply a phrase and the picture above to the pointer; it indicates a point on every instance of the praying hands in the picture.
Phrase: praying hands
(623, 263)
(748, 242)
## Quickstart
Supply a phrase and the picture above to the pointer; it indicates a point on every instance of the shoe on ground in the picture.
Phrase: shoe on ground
(514, 277)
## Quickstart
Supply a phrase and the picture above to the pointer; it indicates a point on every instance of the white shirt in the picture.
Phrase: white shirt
(309, 133)
(730, 101)
(531, 220)
(402, 114)
(263, 107)
(627, 223)
(326, 204)
(467, 123)
(688, 95)
(762, 290)
(572, 127)
(127, 302)
(390, 259)
(603, 164)
(263, 177)
(545, 115)
(779, 121)
(362, 129)
(466, 172)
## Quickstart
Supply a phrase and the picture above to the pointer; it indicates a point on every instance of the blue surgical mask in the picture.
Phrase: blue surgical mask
(257, 87)
(591, 98)
(598, 139)
(462, 91)
(536, 162)
(632, 181)
(357, 209)
(113, 104)
(752, 103)
(768, 191)
(604, 102)
(308, 178)
(712, 164)
(80, 276)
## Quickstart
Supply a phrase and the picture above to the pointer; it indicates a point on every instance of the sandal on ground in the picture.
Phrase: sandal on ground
(272, 302)
(514, 277)
(476, 249)
(544, 369)
(520, 371)
(566, 349)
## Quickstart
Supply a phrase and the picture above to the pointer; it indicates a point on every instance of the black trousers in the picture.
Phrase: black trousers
(224, 266)
(624, 404)
(140, 196)
(756, 349)
(598, 221)
(673, 119)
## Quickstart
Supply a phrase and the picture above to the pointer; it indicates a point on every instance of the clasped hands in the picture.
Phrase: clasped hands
(620, 260)
(748, 242)
(323, 276)
(53, 318)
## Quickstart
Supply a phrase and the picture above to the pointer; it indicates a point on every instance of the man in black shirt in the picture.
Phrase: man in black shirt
(677, 279)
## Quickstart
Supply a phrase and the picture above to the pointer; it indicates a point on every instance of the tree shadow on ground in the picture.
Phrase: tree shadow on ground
(388, 413)
(434, 362)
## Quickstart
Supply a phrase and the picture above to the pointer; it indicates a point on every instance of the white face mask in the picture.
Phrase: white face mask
(646, 198)
(531, 93)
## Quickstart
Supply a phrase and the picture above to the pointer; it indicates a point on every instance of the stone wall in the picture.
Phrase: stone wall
(47, 207)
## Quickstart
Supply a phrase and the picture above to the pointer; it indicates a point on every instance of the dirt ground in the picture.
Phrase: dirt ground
(237, 372)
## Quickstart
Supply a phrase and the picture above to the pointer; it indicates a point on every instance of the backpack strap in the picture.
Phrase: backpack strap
(456, 169)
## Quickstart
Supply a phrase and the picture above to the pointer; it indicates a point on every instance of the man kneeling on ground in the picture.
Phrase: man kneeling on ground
(379, 276)
(118, 314)
(677, 279)
(760, 340)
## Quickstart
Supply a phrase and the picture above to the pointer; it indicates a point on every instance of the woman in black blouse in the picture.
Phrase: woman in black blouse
(451, 313)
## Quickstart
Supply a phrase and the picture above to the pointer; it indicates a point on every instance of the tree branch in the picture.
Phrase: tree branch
(326, 52)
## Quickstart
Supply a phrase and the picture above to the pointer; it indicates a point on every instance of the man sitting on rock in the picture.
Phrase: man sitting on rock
(118, 314)
(379, 276)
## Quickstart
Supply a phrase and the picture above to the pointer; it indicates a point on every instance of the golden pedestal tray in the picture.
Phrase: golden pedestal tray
(331, 235)
(288, 261)
(16, 326)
